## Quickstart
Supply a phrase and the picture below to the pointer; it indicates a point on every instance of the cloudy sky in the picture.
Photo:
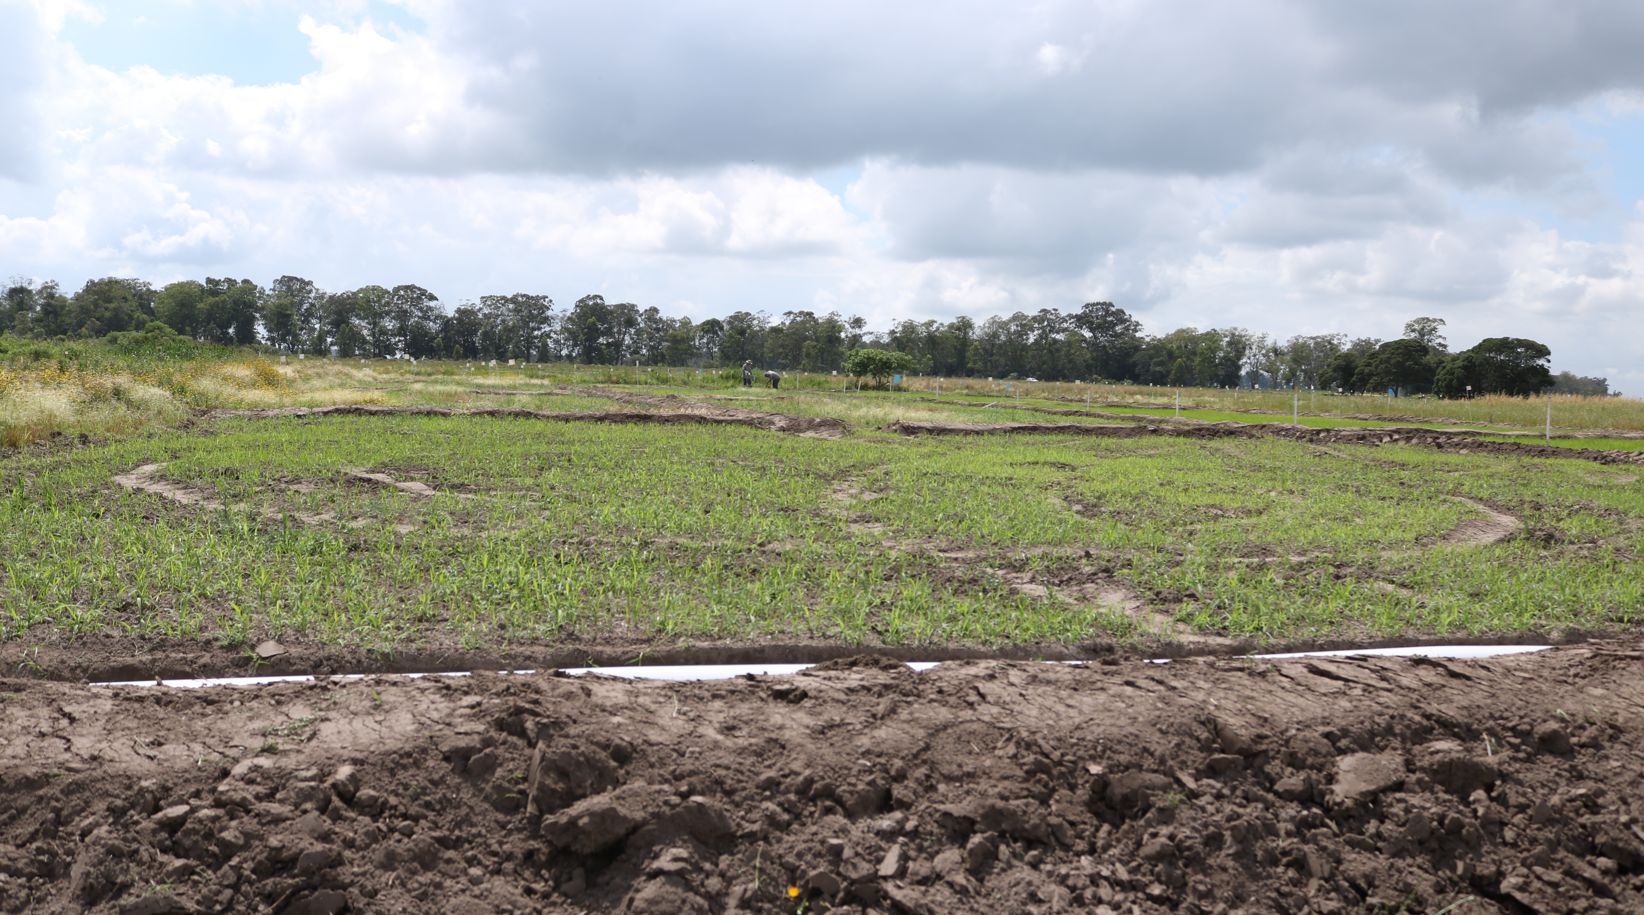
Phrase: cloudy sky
(1288, 167)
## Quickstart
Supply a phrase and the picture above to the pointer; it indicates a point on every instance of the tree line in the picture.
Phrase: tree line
(1098, 342)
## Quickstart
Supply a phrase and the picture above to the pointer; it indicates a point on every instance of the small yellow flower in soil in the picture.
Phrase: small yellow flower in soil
(793, 891)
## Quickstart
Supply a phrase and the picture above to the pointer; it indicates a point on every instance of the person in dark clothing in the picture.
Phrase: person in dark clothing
(774, 379)
(747, 374)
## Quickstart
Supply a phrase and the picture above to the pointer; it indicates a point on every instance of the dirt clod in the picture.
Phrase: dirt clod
(269, 649)
(1362, 776)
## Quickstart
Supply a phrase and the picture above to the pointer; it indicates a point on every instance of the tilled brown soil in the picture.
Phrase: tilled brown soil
(1321, 786)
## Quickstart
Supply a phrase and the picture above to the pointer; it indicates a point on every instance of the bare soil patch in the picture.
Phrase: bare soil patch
(145, 479)
(1493, 528)
(385, 481)
(1327, 786)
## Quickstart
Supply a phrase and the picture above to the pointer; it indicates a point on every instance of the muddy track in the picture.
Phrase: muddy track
(1209, 787)
(1457, 440)
(822, 427)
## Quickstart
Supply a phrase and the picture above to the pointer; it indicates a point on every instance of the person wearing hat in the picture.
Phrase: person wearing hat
(747, 374)
(774, 379)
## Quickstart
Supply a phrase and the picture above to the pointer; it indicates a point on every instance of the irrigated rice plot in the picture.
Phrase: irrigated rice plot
(485, 532)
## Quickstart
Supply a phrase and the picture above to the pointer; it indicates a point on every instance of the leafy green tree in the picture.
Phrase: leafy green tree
(1397, 364)
(413, 321)
(372, 318)
(1568, 383)
(228, 312)
(30, 310)
(599, 333)
(1510, 365)
(181, 306)
(710, 336)
(350, 341)
(339, 313)
(1307, 357)
(280, 327)
(1112, 338)
(651, 335)
(460, 333)
(1340, 372)
(109, 305)
(1426, 330)
(1186, 356)
(531, 315)
(744, 338)
(679, 347)
(1235, 349)
(877, 364)
(292, 314)
(1459, 376)
(804, 340)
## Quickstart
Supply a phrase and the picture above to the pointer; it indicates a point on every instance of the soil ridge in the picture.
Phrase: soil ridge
(1204, 787)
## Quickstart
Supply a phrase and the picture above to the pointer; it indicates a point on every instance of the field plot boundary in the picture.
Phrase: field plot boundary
(1315, 414)
(1389, 435)
(816, 427)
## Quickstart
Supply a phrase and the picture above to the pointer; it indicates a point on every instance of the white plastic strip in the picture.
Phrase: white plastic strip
(711, 671)
(692, 672)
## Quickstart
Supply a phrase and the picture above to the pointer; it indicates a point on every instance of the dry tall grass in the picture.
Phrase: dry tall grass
(40, 400)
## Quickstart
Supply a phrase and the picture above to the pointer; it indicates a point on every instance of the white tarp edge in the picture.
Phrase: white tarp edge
(687, 672)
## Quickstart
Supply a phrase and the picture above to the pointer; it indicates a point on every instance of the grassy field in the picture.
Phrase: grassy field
(547, 531)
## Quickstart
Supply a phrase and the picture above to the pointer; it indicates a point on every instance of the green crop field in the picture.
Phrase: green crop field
(527, 531)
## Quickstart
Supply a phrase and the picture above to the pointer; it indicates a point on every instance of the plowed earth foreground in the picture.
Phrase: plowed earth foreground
(1340, 785)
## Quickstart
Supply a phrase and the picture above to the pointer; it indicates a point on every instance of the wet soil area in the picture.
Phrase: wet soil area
(1509, 785)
